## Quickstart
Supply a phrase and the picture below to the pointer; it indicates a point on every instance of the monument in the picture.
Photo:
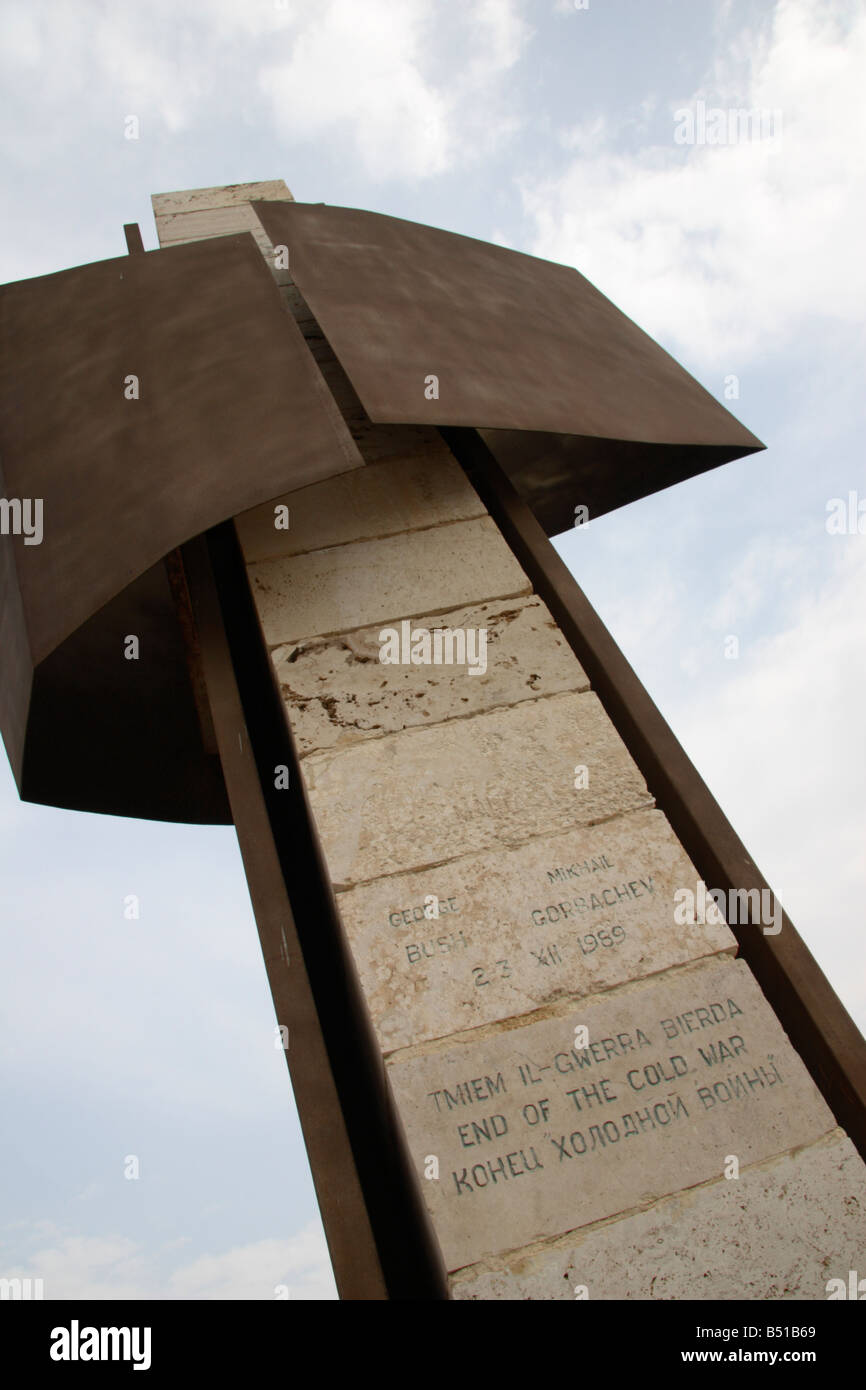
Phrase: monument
(550, 1033)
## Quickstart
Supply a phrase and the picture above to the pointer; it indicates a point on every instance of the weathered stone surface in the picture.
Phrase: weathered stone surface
(410, 492)
(208, 222)
(558, 918)
(781, 1230)
(220, 196)
(681, 1071)
(338, 691)
(427, 795)
(262, 243)
(382, 581)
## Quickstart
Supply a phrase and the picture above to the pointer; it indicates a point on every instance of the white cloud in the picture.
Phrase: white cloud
(501, 35)
(779, 735)
(114, 1267)
(253, 1271)
(725, 250)
(19, 36)
(378, 77)
(367, 72)
(767, 572)
(362, 66)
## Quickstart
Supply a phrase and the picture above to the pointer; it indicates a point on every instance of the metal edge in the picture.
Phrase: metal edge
(134, 243)
(378, 1229)
(350, 1240)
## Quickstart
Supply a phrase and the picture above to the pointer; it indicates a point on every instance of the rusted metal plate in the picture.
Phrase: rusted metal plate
(520, 346)
(556, 473)
(123, 737)
(230, 410)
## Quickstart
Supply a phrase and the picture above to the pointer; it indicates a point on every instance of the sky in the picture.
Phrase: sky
(560, 129)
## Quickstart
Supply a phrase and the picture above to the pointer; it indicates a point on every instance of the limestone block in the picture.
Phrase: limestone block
(382, 581)
(427, 795)
(338, 692)
(410, 492)
(536, 1137)
(220, 196)
(782, 1230)
(259, 237)
(520, 929)
(210, 222)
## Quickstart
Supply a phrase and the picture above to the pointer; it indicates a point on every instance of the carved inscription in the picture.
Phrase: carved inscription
(490, 936)
(678, 1073)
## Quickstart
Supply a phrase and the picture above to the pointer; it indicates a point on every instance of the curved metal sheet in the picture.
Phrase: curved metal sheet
(519, 346)
(231, 411)
(580, 405)
(555, 473)
(123, 737)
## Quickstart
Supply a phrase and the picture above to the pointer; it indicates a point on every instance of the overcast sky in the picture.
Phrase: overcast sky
(550, 127)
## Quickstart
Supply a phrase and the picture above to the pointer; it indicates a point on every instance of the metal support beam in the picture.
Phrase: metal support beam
(134, 243)
(378, 1231)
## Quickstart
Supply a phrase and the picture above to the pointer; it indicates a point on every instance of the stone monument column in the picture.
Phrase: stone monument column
(598, 1099)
